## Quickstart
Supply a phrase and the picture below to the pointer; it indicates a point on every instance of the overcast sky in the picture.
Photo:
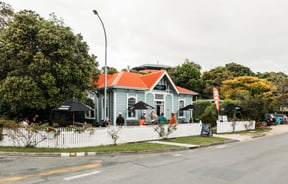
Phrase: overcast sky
(212, 33)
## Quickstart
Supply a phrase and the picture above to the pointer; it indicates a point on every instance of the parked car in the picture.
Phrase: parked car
(270, 119)
(281, 118)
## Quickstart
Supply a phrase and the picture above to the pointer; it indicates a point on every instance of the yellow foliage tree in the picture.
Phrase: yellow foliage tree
(246, 86)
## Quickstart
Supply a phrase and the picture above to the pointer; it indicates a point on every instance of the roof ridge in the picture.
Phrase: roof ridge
(153, 73)
(118, 77)
(140, 79)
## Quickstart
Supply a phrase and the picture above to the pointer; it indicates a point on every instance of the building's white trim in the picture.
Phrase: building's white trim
(187, 93)
(135, 97)
(128, 87)
(163, 100)
(184, 100)
(170, 80)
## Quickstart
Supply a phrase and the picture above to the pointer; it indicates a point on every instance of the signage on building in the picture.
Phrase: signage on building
(160, 87)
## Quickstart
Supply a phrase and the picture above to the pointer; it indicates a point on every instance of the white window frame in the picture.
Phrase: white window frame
(135, 115)
(163, 100)
(88, 114)
(181, 100)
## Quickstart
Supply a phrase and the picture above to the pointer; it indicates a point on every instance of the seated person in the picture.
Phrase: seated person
(161, 118)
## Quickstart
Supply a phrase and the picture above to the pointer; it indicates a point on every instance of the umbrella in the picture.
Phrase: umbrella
(189, 107)
(230, 107)
(73, 105)
(140, 106)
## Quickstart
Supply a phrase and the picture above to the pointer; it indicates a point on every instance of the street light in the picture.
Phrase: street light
(105, 69)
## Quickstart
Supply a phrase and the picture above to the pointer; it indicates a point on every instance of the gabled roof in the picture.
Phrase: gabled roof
(151, 79)
(138, 81)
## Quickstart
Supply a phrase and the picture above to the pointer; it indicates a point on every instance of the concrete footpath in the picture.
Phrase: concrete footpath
(189, 146)
(277, 129)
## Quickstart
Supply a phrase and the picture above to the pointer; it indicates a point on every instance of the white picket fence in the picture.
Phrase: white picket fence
(224, 127)
(100, 136)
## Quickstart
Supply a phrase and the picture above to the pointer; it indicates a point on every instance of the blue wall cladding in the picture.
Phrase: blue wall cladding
(121, 102)
(150, 101)
(168, 106)
(176, 105)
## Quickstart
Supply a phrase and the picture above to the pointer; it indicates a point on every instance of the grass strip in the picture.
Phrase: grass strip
(143, 146)
(111, 148)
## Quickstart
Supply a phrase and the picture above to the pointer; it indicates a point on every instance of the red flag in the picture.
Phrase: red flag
(216, 98)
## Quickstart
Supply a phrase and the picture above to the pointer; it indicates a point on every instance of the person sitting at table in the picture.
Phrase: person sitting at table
(153, 117)
(161, 118)
(173, 119)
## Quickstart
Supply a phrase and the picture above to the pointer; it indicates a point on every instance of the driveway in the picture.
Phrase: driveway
(276, 129)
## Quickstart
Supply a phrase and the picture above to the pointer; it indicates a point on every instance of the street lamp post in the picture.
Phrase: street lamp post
(105, 68)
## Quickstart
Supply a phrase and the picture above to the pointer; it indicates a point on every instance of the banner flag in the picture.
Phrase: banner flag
(216, 98)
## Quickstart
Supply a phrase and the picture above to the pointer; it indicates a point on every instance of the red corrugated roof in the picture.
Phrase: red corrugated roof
(129, 80)
(148, 71)
(135, 80)
(151, 79)
(183, 90)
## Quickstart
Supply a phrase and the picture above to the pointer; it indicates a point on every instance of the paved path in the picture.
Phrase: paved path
(276, 129)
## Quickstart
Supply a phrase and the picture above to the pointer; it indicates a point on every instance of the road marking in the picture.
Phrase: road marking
(51, 172)
(81, 175)
(222, 146)
(177, 155)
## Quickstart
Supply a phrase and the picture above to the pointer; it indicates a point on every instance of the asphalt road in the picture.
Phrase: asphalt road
(262, 160)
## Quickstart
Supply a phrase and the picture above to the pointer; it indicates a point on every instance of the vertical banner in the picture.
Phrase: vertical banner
(216, 97)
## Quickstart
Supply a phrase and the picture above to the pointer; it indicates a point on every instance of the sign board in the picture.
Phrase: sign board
(206, 129)
(216, 98)
(223, 118)
(160, 87)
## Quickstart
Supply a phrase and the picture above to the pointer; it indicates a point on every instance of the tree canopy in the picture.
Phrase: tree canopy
(42, 63)
(247, 86)
(187, 75)
(216, 76)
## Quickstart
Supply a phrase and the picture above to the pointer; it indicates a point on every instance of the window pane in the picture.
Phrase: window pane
(159, 96)
(131, 102)
(159, 107)
(181, 105)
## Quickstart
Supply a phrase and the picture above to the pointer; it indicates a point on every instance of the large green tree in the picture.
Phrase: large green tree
(216, 76)
(280, 96)
(240, 88)
(187, 75)
(42, 63)
(255, 94)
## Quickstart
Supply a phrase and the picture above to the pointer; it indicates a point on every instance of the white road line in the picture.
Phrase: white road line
(81, 176)
(177, 155)
(221, 146)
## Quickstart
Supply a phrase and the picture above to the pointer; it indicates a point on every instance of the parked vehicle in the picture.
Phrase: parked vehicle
(281, 118)
(270, 119)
